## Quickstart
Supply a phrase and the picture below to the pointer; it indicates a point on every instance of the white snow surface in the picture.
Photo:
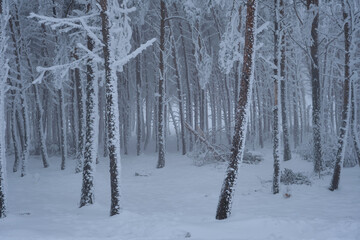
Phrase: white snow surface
(179, 202)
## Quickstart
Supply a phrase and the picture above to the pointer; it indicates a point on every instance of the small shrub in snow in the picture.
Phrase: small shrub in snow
(289, 177)
(250, 158)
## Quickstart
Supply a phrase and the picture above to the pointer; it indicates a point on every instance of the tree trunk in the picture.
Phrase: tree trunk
(237, 151)
(354, 122)
(161, 156)
(277, 76)
(90, 154)
(63, 143)
(315, 85)
(112, 113)
(138, 95)
(287, 151)
(188, 85)
(346, 107)
(3, 78)
(81, 119)
(180, 98)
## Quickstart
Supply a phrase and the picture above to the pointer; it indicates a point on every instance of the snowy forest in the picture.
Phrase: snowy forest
(156, 119)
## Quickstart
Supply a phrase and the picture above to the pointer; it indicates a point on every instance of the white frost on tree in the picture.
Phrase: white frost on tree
(4, 70)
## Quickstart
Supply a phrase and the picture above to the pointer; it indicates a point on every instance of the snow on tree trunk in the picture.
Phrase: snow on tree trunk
(161, 96)
(277, 76)
(80, 110)
(138, 96)
(62, 119)
(3, 78)
(237, 151)
(354, 121)
(90, 154)
(23, 102)
(287, 152)
(315, 86)
(112, 111)
(346, 107)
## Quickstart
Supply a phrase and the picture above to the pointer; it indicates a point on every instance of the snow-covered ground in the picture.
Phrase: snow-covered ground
(179, 202)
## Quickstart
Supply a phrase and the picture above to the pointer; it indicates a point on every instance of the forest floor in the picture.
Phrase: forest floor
(179, 202)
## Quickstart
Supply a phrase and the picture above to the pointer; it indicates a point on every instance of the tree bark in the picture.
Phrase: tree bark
(315, 86)
(112, 113)
(90, 154)
(346, 107)
(237, 151)
(161, 143)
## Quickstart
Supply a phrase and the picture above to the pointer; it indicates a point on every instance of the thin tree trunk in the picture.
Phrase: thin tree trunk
(277, 70)
(81, 119)
(180, 98)
(287, 151)
(138, 95)
(161, 156)
(63, 142)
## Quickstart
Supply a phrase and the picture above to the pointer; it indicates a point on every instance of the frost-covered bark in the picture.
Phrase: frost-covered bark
(62, 119)
(277, 75)
(237, 151)
(315, 86)
(3, 78)
(91, 147)
(111, 107)
(287, 152)
(14, 28)
(81, 122)
(354, 131)
(138, 96)
(344, 130)
(161, 91)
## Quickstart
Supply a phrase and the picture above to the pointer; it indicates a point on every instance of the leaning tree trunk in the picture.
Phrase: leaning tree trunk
(237, 151)
(161, 143)
(90, 154)
(112, 112)
(346, 105)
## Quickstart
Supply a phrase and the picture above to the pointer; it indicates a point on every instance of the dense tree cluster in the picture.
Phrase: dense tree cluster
(79, 78)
